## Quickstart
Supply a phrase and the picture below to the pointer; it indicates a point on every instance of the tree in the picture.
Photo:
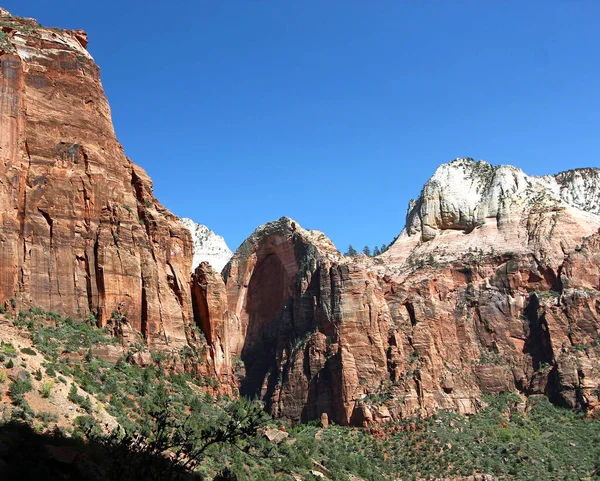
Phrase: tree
(351, 251)
(187, 438)
(367, 251)
(376, 251)
(383, 248)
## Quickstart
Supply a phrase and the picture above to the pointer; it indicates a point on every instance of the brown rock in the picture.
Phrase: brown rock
(212, 314)
(369, 342)
(81, 230)
(275, 436)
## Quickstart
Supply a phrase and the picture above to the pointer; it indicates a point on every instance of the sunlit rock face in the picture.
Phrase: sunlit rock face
(491, 287)
(208, 246)
(81, 230)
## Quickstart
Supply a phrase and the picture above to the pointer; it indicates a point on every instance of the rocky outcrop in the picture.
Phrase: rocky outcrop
(493, 286)
(208, 246)
(81, 230)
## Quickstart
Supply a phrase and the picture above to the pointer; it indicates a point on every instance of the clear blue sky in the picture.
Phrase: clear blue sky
(335, 112)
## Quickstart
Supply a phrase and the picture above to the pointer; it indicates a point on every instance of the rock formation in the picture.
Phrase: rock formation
(81, 230)
(492, 286)
(208, 246)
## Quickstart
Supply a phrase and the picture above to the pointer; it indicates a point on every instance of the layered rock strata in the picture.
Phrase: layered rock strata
(493, 286)
(81, 231)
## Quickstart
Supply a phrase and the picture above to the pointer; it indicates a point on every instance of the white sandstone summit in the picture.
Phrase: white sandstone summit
(464, 194)
(473, 206)
(208, 246)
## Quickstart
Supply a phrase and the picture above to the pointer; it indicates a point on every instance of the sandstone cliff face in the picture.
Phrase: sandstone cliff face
(493, 286)
(81, 229)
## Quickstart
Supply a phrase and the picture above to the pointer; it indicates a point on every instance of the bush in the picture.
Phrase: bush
(18, 388)
(46, 389)
(8, 349)
(75, 397)
(47, 418)
(28, 351)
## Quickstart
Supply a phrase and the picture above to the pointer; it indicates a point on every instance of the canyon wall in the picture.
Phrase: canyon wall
(492, 286)
(81, 231)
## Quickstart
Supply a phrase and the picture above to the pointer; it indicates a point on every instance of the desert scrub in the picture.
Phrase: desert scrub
(7, 349)
(65, 335)
(28, 351)
(46, 418)
(46, 389)
(82, 401)
(18, 388)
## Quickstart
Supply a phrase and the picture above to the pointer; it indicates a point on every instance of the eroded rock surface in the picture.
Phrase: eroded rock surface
(492, 287)
(81, 231)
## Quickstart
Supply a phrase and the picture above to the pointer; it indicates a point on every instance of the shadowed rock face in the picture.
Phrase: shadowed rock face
(493, 285)
(434, 323)
(81, 230)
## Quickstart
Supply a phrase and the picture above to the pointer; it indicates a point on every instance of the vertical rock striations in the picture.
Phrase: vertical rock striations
(492, 286)
(81, 230)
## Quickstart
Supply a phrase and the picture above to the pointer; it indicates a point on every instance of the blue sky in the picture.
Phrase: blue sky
(335, 112)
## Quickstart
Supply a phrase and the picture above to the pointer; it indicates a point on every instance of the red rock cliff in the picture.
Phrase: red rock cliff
(81, 229)
(493, 286)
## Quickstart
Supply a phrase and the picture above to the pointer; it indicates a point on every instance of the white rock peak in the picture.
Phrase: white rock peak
(463, 194)
(469, 206)
(208, 246)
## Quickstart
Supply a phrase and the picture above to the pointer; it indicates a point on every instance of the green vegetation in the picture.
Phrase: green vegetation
(46, 389)
(367, 250)
(18, 388)
(83, 401)
(163, 410)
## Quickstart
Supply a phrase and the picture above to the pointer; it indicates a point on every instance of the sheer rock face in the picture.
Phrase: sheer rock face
(500, 294)
(81, 229)
(210, 309)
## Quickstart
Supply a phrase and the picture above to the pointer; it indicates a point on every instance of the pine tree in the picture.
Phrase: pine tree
(351, 251)
(383, 248)
(367, 251)
(376, 251)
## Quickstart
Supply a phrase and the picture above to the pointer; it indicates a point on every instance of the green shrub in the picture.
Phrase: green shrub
(46, 389)
(18, 388)
(28, 351)
(47, 418)
(77, 398)
(8, 349)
